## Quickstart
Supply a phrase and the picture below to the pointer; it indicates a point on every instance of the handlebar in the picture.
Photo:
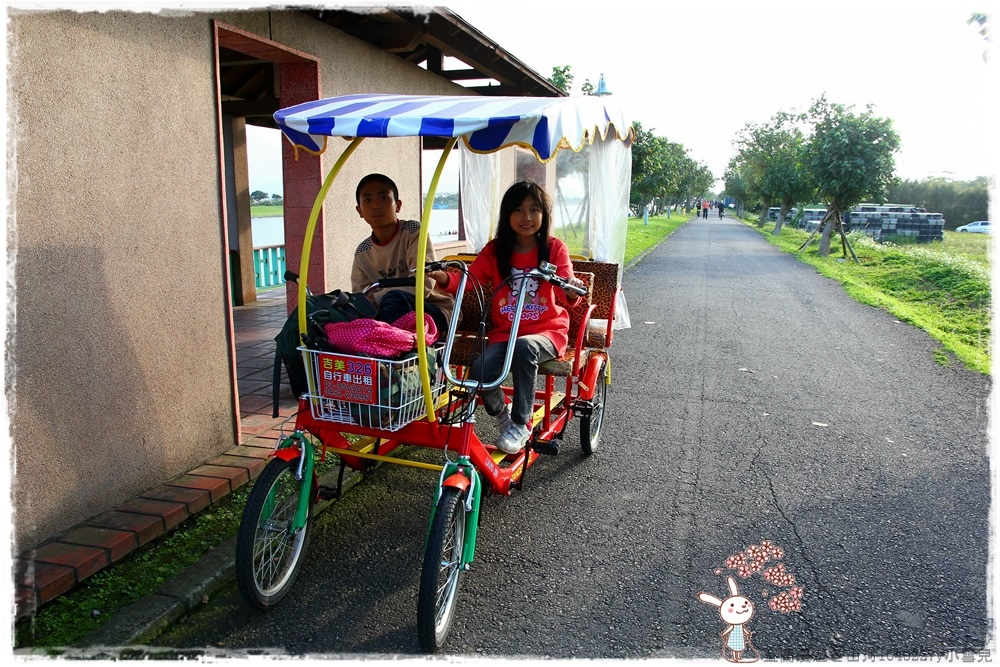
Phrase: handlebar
(545, 271)
(411, 281)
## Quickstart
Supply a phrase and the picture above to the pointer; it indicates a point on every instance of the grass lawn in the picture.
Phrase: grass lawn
(266, 211)
(974, 246)
(941, 287)
(642, 237)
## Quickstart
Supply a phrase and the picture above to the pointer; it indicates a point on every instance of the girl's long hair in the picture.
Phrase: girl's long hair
(505, 237)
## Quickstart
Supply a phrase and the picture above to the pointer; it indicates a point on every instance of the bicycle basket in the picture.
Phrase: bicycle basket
(376, 393)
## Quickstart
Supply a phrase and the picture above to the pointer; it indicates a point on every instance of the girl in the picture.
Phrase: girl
(522, 242)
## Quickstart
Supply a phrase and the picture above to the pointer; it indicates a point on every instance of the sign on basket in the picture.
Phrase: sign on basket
(347, 378)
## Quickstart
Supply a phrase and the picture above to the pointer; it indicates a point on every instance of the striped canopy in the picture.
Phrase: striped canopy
(486, 124)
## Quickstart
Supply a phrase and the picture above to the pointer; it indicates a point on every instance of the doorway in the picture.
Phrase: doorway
(255, 77)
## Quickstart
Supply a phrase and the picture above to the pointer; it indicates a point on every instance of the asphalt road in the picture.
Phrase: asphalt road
(751, 400)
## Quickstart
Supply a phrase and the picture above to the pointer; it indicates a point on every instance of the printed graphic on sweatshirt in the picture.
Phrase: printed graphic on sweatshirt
(534, 306)
(401, 270)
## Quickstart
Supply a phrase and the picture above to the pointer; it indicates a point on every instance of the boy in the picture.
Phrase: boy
(390, 252)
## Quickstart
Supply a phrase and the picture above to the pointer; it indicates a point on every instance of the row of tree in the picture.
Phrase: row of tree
(959, 202)
(261, 197)
(663, 172)
(835, 155)
(830, 153)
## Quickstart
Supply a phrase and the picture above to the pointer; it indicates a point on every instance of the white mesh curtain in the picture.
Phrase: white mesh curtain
(609, 182)
(480, 196)
(590, 201)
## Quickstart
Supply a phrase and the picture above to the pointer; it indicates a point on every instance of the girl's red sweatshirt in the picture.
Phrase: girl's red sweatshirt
(541, 314)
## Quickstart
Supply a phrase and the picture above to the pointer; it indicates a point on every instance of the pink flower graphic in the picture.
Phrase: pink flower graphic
(751, 560)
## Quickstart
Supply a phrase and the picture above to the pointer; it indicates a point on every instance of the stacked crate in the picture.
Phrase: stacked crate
(881, 222)
(811, 217)
(888, 221)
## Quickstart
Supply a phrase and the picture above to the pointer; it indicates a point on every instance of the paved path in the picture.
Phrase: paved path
(751, 400)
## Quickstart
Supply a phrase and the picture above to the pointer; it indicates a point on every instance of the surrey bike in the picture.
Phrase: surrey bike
(362, 408)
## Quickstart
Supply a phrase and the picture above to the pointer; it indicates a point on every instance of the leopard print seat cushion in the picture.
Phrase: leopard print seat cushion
(464, 350)
(563, 366)
(604, 293)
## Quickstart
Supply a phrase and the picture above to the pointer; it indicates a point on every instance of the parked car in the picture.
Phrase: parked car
(977, 227)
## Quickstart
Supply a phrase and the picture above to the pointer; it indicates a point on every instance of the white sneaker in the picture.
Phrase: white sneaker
(513, 439)
(503, 419)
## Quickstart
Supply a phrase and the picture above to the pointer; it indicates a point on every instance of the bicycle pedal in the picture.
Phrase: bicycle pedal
(550, 448)
(327, 492)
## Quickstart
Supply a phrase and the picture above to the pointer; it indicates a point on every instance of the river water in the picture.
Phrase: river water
(270, 231)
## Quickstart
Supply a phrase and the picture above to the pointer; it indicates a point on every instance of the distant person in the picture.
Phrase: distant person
(704, 209)
(391, 252)
(721, 208)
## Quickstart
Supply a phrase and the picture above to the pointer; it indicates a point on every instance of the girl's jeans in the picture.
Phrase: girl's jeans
(529, 351)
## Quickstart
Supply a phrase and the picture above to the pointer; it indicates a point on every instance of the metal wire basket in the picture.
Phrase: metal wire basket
(377, 393)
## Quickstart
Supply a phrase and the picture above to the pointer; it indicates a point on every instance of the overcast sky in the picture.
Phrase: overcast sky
(698, 72)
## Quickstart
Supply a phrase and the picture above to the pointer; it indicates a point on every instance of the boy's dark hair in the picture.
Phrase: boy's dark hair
(379, 178)
(504, 240)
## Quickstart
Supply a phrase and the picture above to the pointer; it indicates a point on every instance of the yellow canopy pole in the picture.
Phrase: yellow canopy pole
(307, 243)
(425, 219)
(311, 229)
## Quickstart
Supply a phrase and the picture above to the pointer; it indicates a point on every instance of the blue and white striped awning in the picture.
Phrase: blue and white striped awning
(486, 124)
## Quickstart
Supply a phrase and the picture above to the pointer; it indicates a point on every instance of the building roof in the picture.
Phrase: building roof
(426, 39)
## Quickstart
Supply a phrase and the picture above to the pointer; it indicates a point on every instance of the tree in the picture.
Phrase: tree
(851, 159)
(736, 187)
(587, 88)
(959, 202)
(702, 180)
(662, 170)
(695, 179)
(258, 196)
(677, 164)
(983, 21)
(562, 78)
(647, 168)
(789, 175)
(770, 160)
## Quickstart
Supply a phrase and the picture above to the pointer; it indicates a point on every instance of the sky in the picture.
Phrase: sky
(698, 72)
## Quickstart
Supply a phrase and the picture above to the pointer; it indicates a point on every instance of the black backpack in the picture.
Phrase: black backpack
(335, 306)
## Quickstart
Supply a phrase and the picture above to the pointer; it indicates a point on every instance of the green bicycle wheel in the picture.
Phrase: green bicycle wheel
(442, 571)
(268, 549)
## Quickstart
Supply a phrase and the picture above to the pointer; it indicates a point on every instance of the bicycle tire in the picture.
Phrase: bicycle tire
(442, 571)
(590, 425)
(268, 554)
